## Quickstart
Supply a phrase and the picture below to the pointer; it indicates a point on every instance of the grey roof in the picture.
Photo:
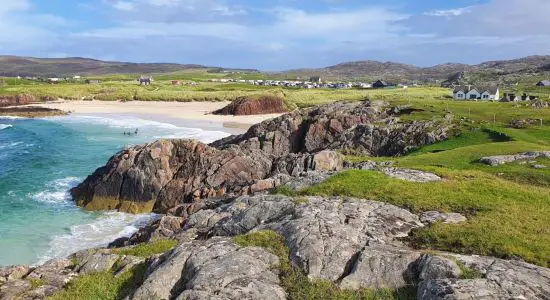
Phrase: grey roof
(479, 88)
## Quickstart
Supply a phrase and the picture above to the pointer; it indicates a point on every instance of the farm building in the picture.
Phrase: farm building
(471, 92)
(543, 83)
(383, 84)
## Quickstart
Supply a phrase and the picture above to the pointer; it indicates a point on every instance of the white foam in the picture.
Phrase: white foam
(5, 126)
(11, 118)
(57, 191)
(10, 145)
(151, 130)
(99, 233)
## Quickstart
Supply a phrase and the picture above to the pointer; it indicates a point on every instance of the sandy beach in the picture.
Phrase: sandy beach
(190, 111)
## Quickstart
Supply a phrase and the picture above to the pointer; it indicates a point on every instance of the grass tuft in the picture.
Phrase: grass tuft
(103, 286)
(468, 273)
(36, 283)
(148, 249)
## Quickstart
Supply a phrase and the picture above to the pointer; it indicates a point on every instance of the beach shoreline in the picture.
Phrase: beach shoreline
(159, 110)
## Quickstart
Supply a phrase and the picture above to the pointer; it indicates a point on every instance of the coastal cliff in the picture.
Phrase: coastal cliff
(165, 174)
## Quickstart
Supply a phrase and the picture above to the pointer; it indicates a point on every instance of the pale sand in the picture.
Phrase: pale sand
(199, 111)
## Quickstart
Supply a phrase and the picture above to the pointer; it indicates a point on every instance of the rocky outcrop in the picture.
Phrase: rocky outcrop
(369, 128)
(217, 267)
(162, 175)
(353, 243)
(30, 112)
(260, 105)
(504, 159)
(500, 279)
(16, 100)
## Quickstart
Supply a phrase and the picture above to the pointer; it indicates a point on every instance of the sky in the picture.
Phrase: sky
(277, 34)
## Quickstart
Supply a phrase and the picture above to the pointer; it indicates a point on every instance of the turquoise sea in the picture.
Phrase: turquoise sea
(41, 159)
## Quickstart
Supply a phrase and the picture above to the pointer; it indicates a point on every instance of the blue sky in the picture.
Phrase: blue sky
(276, 34)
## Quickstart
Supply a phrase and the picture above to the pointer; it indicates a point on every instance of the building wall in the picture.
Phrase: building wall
(473, 93)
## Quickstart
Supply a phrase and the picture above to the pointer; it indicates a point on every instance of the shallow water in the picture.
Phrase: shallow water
(41, 159)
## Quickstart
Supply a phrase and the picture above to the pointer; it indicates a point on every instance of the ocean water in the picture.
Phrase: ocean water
(41, 159)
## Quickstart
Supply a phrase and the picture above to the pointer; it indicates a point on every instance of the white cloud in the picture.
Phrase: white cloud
(14, 5)
(142, 30)
(124, 5)
(450, 12)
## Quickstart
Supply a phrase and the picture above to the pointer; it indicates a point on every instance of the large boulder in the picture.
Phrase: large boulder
(165, 173)
(265, 104)
(213, 269)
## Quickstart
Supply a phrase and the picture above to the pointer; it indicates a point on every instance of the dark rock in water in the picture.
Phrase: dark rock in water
(166, 173)
(30, 111)
(162, 175)
(254, 106)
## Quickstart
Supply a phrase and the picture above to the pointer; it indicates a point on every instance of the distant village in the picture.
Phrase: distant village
(460, 92)
(317, 83)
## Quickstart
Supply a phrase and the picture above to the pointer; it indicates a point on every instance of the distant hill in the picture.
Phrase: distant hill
(504, 71)
(58, 67)
(372, 70)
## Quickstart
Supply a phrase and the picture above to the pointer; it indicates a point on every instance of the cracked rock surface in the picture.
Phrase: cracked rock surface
(213, 269)
(353, 243)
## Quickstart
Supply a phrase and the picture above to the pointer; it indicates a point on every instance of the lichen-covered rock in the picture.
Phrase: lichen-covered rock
(455, 289)
(95, 261)
(215, 268)
(326, 235)
(437, 267)
(503, 159)
(382, 266)
(431, 217)
(411, 175)
(502, 279)
(166, 173)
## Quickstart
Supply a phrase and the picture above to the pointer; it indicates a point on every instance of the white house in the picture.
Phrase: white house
(471, 92)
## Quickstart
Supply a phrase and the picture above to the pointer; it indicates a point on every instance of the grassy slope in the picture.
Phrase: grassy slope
(508, 206)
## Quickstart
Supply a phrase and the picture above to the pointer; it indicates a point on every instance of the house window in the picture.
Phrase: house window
(460, 96)
(485, 96)
(473, 96)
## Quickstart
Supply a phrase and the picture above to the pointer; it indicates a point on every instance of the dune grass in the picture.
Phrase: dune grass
(296, 283)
